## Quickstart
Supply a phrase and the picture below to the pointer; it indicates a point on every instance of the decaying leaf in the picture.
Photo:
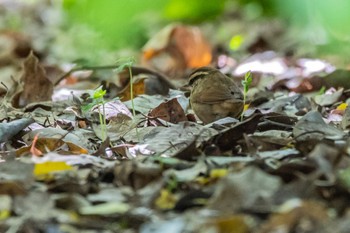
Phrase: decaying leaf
(135, 174)
(176, 48)
(329, 98)
(170, 111)
(138, 88)
(249, 189)
(313, 126)
(231, 223)
(302, 216)
(227, 139)
(155, 82)
(36, 86)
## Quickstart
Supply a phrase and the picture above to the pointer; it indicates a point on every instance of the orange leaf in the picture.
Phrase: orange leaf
(138, 89)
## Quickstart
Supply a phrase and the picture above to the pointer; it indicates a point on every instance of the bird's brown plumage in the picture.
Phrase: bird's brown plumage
(214, 95)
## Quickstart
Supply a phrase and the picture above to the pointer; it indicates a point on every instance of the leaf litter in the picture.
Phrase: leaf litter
(283, 168)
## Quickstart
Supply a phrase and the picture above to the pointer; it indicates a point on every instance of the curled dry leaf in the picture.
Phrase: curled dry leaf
(36, 86)
(41, 146)
(227, 139)
(138, 87)
(329, 98)
(170, 111)
(176, 48)
(155, 82)
(312, 126)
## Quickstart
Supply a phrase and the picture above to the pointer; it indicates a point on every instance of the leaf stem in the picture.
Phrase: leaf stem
(132, 91)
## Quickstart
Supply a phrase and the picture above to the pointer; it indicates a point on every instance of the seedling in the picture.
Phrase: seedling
(97, 97)
(322, 90)
(128, 62)
(96, 100)
(246, 84)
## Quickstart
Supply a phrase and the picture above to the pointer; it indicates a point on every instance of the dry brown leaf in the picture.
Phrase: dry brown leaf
(232, 223)
(41, 146)
(135, 173)
(175, 49)
(36, 86)
(306, 214)
(138, 89)
(155, 82)
(170, 111)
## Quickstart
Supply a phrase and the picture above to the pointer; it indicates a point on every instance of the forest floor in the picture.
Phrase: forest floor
(117, 148)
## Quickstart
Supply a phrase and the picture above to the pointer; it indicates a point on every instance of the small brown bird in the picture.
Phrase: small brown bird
(214, 95)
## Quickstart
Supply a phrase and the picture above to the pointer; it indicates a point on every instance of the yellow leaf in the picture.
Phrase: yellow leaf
(234, 223)
(166, 200)
(246, 106)
(203, 180)
(4, 214)
(42, 169)
(214, 175)
(218, 173)
(342, 106)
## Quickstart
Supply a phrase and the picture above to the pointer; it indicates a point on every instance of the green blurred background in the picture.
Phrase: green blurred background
(323, 23)
(128, 23)
(91, 29)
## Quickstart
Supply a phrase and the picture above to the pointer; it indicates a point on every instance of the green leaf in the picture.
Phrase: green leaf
(124, 62)
(247, 81)
(99, 93)
(87, 107)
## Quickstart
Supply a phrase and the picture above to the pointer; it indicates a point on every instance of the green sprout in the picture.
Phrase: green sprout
(122, 64)
(322, 90)
(98, 100)
(246, 84)
(97, 97)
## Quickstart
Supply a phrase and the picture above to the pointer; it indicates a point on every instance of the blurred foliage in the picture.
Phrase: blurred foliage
(193, 10)
(126, 23)
(121, 23)
(96, 29)
(322, 24)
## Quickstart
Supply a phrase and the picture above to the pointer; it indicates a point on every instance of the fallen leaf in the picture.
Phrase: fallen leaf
(43, 169)
(233, 223)
(36, 86)
(138, 88)
(170, 111)
(107, 208)
(304, 216)
(166, 200)
(176, 48)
